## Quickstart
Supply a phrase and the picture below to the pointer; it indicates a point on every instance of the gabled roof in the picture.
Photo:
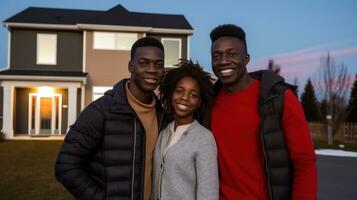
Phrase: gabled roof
(52, 16)
(116, 16)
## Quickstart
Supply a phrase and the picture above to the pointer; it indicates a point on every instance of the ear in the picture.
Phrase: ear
(130, 66)
(246, 59)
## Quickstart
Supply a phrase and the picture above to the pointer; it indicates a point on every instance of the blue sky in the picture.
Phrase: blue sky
(293, 33)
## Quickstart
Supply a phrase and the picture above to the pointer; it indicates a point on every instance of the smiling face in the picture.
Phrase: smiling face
(186, 98)
(147, 69)
(229, 60)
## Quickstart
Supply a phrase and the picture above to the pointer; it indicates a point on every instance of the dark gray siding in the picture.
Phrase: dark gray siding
(21, 110)
(182, 37)
(69, 50)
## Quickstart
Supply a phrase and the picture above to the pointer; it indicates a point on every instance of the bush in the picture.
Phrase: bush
(319, 144)
(2, 136)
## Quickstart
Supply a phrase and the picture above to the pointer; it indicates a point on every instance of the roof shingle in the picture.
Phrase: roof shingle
(117, 15)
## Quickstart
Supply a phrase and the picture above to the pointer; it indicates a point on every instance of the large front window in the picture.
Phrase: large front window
(172, 51)
(46, 49)
(114, 41)
(99, 91)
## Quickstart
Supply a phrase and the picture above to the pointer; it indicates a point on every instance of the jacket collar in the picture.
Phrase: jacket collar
(268, 80)
(121, 104)
(265, 76)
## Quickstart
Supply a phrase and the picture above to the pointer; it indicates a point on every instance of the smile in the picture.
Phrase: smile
(151, 80)
(226, 72)
(182, 107)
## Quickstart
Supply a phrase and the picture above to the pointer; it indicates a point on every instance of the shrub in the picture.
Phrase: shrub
(2, 136)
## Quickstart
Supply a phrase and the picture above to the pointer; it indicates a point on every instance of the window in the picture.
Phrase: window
(99, 91)
(46, 49)
(114, 41)
(172, 51)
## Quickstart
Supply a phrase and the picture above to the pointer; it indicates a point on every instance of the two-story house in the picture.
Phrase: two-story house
(60, 60)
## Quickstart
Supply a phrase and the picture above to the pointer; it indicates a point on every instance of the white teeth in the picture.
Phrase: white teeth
(150, 80)
(182, 107)
(226, 72)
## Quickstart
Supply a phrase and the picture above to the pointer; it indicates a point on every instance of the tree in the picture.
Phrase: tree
(309, 102)
(274, 67)
(352, 104)
(334, 82)
(296, 83)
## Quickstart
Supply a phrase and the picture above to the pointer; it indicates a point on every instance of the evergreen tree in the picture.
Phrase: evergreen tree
(309, 102)
(352, 104)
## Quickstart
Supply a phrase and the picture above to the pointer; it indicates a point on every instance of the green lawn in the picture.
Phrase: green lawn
(27, 170)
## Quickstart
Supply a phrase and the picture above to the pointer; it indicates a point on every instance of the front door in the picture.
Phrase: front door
(45, 114)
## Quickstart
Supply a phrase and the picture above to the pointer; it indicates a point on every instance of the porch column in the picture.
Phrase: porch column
(8, 115)
(82, 97)
(72, 105)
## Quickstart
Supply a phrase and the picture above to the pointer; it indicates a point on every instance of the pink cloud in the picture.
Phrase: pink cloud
(302, 62)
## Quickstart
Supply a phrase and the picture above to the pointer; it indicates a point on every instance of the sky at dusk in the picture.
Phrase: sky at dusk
(293, 33)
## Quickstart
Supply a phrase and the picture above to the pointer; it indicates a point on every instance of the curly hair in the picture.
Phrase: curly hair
(186, 68)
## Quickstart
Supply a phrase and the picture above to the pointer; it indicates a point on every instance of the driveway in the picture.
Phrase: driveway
(337, 178)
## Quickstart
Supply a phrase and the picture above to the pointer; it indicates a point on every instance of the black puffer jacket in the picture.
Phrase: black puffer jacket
(102, 156)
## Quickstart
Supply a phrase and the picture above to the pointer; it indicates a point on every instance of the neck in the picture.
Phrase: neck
(242, 83)
(144, 97)
(180, 122)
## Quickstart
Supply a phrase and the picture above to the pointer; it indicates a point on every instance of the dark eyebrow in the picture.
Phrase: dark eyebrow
(150, 60)
(226, 50)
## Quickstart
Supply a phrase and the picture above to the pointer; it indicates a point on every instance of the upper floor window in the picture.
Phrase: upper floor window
(46, 49)
(114, 41)
(173, 49)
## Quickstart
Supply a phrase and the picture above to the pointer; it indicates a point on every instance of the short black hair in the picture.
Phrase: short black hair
(186, 68)
(144, 42)
(229, 30)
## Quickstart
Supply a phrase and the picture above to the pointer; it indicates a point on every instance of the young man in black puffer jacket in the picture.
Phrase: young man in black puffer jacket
(107, 153)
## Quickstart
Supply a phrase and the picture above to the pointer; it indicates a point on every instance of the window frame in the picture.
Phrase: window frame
(117, 36)
(38, 35)
(180, 49)
(102, 90)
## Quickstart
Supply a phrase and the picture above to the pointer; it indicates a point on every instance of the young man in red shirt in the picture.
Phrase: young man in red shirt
(262, 153)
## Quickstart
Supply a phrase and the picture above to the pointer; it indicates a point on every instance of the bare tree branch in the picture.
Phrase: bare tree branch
(333, 82)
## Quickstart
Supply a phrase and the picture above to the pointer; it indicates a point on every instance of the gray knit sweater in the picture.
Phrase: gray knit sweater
(188, 171)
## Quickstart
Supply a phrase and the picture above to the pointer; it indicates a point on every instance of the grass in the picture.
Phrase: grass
(323, 145)
(27, 170)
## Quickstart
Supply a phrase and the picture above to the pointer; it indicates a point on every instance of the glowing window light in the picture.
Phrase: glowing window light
(45, 91)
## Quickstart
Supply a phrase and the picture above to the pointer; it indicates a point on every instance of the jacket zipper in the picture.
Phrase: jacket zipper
(160, 122)
(265, 154)
(134, 153)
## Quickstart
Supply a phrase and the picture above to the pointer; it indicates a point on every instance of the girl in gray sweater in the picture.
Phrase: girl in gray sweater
(185, 157)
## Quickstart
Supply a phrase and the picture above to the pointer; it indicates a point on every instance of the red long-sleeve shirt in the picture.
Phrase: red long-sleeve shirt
(235, 125)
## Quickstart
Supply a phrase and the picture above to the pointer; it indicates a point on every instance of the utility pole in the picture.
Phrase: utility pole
(329, 129)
